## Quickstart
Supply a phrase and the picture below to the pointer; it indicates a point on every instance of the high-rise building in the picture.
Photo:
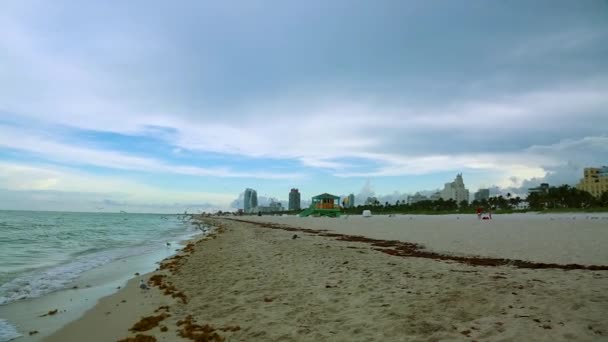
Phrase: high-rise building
(294, 200)
(348, 201)
(594, 181)
(482, 194)
(455, 190)
(250, 200)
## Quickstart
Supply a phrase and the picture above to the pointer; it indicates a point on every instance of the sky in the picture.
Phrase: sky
(155, 106)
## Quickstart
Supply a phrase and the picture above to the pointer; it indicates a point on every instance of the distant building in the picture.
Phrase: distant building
(543, 189)
(594, 181)
(274, 206)
(294, 200)
(348, 201)
(250, 201)
(416, 198)
(455, 190)
(482, 194)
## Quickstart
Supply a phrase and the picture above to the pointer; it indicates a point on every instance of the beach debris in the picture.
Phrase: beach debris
(295, 236)
(268, 299)
(161, 308)
(231, 328)
(136, 273)
(149, 322)
(198, 332)
(33, 332)
(164, 328)
(143, 285)
(156, 280)
(50, 313)
(170, 290)
(168, 244)
(139, 338)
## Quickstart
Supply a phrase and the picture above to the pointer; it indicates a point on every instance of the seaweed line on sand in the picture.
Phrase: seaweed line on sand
(409, 249)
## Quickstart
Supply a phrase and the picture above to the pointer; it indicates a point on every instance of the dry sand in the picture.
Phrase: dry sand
(267, 286)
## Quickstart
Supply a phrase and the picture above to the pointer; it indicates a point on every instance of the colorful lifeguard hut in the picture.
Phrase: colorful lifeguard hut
(323, 205)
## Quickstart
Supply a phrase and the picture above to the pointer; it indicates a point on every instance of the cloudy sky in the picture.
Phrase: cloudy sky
(165, 106)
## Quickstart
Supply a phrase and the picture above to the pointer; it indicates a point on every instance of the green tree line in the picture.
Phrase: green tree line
(563, 197)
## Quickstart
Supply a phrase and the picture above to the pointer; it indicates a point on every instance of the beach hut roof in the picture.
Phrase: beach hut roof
(326, 195)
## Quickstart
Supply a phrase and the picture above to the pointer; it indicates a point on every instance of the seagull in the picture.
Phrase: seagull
(142, 285)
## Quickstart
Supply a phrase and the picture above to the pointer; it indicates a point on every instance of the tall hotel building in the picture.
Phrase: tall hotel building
(595, 181)
(294, 200)
(455, 190)
(250, 200)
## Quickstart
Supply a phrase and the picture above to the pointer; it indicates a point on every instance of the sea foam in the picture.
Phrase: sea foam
(7, 331)
(40, 282)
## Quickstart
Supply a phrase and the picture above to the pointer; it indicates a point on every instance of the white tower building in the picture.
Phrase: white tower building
(455, 190)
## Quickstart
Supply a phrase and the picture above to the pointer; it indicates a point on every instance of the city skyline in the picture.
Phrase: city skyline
(104, 111)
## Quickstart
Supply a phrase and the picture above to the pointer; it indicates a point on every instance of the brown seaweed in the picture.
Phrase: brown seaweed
(409, 249)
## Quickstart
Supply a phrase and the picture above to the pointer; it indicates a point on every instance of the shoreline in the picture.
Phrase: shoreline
(122, 309)
(31, 315)
(254, 283)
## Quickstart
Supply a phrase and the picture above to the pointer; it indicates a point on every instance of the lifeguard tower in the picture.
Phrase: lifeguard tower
(323, 205)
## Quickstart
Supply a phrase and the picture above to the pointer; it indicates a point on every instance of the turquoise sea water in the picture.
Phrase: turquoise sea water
(41, 252)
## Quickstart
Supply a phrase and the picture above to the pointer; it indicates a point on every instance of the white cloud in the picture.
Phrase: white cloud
(42, 83)
(43, 182)
(554, 43)
(69, 153)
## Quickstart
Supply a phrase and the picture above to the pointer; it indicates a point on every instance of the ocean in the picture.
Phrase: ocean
(43, 252)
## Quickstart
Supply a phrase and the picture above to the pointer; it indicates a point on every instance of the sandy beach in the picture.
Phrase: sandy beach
(253, 281)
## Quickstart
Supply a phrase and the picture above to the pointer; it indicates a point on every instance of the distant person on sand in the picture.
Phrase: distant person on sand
(479, 212)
